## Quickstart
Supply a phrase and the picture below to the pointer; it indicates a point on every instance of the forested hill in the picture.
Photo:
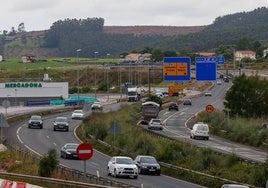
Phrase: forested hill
(90, 35)
(226, 30)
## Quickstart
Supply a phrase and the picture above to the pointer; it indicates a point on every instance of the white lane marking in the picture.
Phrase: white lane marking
(18, 136)
(32, 150)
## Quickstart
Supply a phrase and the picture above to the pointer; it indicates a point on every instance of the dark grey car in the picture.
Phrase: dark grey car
(61, 123)
(69, 151)
(35, 122)
(147, 165)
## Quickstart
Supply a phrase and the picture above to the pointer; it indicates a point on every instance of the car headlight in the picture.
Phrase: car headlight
(120, 168)
(68, 152)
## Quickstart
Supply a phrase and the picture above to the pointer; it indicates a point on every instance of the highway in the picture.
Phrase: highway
(176, 127)
(41, 140)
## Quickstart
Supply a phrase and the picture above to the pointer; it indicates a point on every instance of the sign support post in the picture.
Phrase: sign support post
(84, 152)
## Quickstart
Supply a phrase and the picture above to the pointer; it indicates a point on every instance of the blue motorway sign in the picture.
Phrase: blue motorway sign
(220, 59)
(176, 68)
(205, 68)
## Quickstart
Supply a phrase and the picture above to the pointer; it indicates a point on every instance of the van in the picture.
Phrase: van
(200, 130)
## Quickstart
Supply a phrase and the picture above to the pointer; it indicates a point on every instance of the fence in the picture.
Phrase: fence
(81, 179)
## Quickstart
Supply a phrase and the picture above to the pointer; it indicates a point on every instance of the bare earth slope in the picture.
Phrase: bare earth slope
(153, 30)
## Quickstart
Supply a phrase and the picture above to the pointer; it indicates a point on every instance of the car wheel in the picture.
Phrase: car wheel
(108, 171)
(139, 171)
(135, 177)
(67, 129)
(41, 127)
(115, 174)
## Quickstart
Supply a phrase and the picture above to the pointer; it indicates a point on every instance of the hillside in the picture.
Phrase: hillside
(70, 34)
(135, 30)
(153, 30)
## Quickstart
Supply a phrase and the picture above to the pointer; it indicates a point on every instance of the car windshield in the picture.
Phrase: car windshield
(78, 111)
(150, 160)
(156, 121)
(62, 119)
(124, 161)
(202, 128)
(36, 118)
(71, 146)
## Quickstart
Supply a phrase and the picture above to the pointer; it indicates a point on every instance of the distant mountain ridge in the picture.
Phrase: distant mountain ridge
(135, 30)
(153, 30)
(91, 34)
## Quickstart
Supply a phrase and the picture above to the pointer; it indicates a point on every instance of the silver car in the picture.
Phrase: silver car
(155, 124)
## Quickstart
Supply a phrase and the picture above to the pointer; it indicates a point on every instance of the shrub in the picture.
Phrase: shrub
(48, 163)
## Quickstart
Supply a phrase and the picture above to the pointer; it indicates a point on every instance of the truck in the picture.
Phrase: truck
(149, 110)
(133, 94)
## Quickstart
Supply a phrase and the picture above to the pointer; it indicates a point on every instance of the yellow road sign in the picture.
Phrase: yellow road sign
(175, 69)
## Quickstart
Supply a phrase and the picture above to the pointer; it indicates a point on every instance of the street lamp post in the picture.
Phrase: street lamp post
(16, 96)
(78, 89)
(95, 54)
(107, 77)
(95, 82)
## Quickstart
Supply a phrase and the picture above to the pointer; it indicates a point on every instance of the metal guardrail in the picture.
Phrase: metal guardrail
(177, 167)
(202, 174)
(52, 180)
(84, 179)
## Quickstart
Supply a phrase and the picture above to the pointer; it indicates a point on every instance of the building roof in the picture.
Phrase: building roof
(245, 52)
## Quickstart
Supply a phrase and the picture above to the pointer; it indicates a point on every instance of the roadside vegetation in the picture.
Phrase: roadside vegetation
(133, 140)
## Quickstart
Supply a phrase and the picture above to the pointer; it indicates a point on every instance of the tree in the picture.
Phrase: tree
(157, 54)
(21, 28)
(170, 53)
(48, 163)
(248, 97)
(226, 51)
(243, 44)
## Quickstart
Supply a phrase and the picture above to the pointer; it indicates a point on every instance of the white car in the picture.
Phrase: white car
(233, 186)
(121, 166)
(78, 114)
(218, 82)
(155, 124)
(201, 130)
(96, 106)
(208, 93)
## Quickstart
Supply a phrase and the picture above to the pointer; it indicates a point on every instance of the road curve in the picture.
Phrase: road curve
(41, 140)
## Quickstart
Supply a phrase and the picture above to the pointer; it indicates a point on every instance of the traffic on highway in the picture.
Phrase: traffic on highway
(176, 125)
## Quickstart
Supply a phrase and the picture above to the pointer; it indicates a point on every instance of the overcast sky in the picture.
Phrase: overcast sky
(41, 14)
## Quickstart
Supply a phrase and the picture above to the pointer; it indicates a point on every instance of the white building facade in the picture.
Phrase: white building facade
(25, 91)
